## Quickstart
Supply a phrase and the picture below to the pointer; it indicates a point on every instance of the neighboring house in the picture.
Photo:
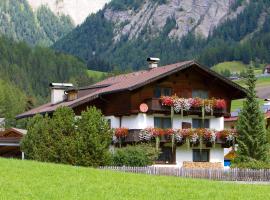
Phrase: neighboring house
(133, 101)
(10, 143)
(230, 122)
(267, 70)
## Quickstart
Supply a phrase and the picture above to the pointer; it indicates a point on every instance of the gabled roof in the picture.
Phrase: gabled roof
(128, 82)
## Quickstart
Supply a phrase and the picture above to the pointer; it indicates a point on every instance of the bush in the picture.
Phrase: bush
(65, 139)
(135, 156)
(251, 165)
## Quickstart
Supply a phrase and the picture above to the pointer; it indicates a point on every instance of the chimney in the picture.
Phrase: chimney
(153, 62)
(58, 93)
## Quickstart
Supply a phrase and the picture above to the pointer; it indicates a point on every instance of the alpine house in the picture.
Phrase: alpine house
(180, 107)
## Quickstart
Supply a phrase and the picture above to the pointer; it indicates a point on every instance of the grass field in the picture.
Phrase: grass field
(261, 81)
(233, 66)
(96, 75)
(238, 104)
(32, 180)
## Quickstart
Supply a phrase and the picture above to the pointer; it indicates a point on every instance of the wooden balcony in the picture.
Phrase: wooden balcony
(155, 106)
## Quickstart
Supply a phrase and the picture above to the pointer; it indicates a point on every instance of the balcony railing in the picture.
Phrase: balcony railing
(154, 105)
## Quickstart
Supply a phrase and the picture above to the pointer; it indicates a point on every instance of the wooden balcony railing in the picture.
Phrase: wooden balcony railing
(155, 106)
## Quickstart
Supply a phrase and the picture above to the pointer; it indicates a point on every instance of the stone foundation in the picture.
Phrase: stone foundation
(202, 165)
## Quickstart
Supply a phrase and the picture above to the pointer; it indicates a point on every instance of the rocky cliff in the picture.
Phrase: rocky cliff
(202, 16)
(78, 10)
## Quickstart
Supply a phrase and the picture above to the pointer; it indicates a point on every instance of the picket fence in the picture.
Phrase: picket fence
(249, 175)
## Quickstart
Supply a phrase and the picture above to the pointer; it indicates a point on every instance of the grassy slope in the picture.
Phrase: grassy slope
(31, 180)
(233, 66)
(96, 75)
(262, 85)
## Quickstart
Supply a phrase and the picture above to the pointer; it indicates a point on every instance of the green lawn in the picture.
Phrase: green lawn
(236, 104)
(261, 81)
(32, 180)
(96, 75)
(233, 66)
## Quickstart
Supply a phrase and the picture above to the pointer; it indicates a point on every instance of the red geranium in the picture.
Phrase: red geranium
(121, 132)
(167, 101)
(169, 131)
(197, 102)
(220, 104)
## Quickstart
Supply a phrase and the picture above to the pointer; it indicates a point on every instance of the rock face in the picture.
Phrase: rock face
(198, 15)
(78, 10)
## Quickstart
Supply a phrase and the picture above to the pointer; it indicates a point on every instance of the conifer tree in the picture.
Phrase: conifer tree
(252, 139)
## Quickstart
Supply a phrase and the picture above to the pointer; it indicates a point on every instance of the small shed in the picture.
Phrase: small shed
(267, 69)
(10, 143)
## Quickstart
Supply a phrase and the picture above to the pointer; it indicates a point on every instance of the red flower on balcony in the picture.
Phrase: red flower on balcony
(197, 103)
(169, 131)
(220, 104)
(167, 101)
(121, 132)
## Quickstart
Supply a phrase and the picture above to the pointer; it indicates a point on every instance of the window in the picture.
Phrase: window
(162, 91)
(200, 93)
(201, 155)
(166, 156)
(162, 122)
(109, 122)
(200, 123)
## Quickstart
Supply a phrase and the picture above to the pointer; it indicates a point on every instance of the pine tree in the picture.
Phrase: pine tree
(252, 140)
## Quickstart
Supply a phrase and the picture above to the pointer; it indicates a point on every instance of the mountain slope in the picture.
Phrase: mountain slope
(78, 10)
(124, 33)
(32, 69)
(18, 21)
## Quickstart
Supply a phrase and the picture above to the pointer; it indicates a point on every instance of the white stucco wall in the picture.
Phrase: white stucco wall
(115, 121)
(142, 120)
(217, 123)
(184, 154)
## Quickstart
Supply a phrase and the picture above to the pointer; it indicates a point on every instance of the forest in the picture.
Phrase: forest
(21, 23)
(25, 74)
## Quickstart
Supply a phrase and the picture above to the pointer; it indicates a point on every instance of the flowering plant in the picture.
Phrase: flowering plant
(121, 132)
(169, 131)
(197, 102)
(229, 134)
(154, 132)
(208, 105)
(182, 104)
(145, 135)
(220, 104)
(167, 101)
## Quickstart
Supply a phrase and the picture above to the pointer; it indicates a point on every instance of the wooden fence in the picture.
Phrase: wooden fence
(213, 174)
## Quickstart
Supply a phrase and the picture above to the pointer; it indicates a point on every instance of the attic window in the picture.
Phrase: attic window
(200, 93)
(162, 91)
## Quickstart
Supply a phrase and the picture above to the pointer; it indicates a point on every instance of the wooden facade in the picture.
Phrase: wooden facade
(182, 84)
(10, 143)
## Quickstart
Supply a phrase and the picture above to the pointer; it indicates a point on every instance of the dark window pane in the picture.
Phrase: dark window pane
(157, 122)
(162, 122)
(200, 93)
(198, 123)
(167, 91)
(157, 92)
(166, 155)
(201, 155)
(167, 123)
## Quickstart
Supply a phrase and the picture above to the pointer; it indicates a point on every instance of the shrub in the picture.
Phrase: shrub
(251, 165)
(136, 156)
(65, 139)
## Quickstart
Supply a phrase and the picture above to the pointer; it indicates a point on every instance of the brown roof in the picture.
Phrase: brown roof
(126, 82)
